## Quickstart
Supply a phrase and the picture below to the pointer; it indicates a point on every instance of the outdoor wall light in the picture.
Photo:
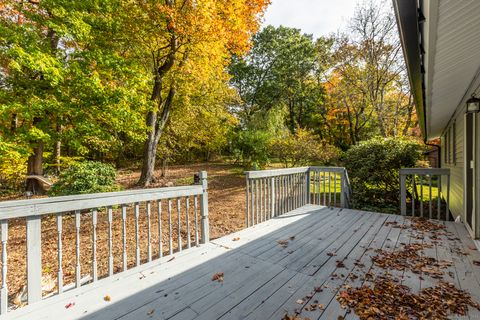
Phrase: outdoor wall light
(473, 105)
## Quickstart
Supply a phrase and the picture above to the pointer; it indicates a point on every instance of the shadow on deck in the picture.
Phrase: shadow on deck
(279, 266)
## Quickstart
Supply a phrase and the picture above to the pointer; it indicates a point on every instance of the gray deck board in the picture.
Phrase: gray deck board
(262, 279)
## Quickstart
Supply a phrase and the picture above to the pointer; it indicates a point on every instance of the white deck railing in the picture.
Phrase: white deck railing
(427, 188)
(89, 206)
(270, 193)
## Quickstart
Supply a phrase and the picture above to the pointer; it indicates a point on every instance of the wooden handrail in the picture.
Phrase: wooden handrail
(89, 205)
(425, 177)
(270, 193)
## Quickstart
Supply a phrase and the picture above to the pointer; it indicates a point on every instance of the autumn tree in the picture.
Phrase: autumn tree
(180, 42)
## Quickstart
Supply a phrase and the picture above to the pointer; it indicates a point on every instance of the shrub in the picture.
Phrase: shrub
(303, 148)
(252, 148)
(85, 177)
(13, 166)
(373, 167)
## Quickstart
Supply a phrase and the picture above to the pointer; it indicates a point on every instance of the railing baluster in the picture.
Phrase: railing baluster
(247, 202)
(170, 236)
(78, 275)
(59, 253)
(261, 198)
(4, 288)
(149, 234)
(439, 196)
(179, 226)
(187, 221)
(160, 235)
(430, 196)
(447, 207)
(124, 236)
(252, 202)
(136, 212)
(324, 189)
(335, 189)
(94, 245)
(258, 198)
(195, 208)
(110, 240)
(329, 189)
(318, 188)
(421, 194)
(414, 192)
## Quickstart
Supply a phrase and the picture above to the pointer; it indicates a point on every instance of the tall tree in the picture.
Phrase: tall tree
(284, 69)
(179, 39)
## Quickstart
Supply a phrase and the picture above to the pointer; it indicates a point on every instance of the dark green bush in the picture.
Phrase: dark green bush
(85, 177)
(373, 167)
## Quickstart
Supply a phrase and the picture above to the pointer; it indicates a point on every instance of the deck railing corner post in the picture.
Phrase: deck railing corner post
(342, 189)
(403, 194)
(204, 208)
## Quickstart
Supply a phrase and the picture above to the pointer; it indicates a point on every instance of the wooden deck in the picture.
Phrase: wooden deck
(262, 278)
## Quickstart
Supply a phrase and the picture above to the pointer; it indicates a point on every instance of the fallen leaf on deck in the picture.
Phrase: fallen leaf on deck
(283, 243)
(476, 262)
(300, 301)
(236, 239)
(107, 298)
(218, 277)
(331, 254)
(286, 316)
(340, 264)
(292, 238)
(149, 313)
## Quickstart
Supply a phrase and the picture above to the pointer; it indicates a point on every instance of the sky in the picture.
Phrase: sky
(317, 17)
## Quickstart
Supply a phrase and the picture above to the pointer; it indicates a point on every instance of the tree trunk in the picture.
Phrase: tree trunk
(35, 165)
(35, 168)
(156, 122)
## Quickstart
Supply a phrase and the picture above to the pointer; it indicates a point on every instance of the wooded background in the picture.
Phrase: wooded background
(145, 83)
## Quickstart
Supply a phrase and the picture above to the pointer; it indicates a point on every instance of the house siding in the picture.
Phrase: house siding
(456, 167)
(457, 183)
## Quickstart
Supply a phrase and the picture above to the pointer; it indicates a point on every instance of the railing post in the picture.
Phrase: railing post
(4, 288)
(403, 194)
(308, 186)
(204, 208)
(247, 206)
(34, 259)
(342, 189)
(272, 197)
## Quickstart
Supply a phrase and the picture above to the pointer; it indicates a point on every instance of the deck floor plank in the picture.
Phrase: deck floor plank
(264, 280)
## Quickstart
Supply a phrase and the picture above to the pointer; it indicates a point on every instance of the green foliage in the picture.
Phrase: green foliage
(303, 148)
(12, 167)
(373, 167)
(85, 177)
(284, 71)
(251, 143)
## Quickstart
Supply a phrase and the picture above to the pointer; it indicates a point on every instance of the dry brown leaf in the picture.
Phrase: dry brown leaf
(218, 277)
(236, 239)
(107, 298)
